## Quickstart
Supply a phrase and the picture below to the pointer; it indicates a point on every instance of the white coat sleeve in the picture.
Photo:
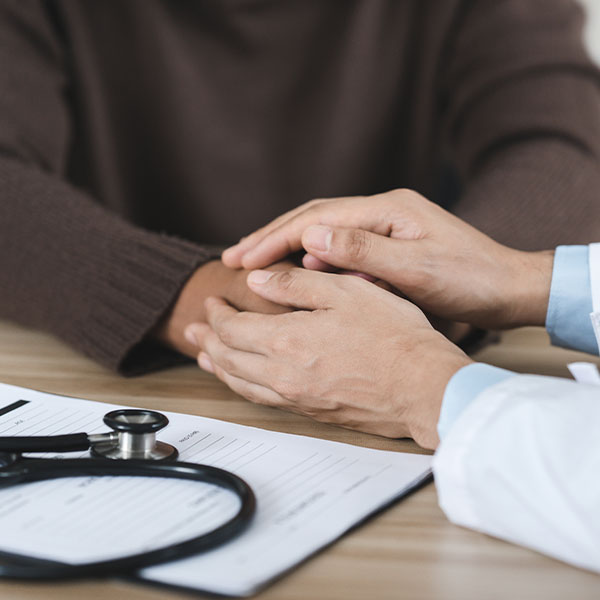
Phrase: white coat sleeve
(522, 463)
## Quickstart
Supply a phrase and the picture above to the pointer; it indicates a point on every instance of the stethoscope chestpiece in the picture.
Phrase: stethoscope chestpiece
(135, 420)
(134, 436)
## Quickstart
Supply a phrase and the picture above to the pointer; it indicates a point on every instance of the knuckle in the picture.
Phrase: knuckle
(225, 333)
(358, 245)
(250, 394)
(285, 279)
(227, 362)
(394, 199)
(398, 196)
(220, 373)
(403, 193)
(282, 344)
(408, 197)
(228, 328)
(288, 389)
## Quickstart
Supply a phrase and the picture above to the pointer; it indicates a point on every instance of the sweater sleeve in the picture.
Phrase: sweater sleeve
(522, 114)
(68, 265)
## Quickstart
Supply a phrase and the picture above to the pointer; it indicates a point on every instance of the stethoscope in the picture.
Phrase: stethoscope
(130, 449)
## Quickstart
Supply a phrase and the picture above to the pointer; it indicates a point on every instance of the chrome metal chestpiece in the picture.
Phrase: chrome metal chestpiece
(134, 436)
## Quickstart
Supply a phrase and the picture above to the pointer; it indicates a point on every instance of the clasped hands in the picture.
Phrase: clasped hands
(351, 353)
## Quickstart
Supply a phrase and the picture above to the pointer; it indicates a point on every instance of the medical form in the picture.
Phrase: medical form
(309, 492)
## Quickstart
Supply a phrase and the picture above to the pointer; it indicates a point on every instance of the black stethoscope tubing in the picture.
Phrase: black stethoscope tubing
(18, 470)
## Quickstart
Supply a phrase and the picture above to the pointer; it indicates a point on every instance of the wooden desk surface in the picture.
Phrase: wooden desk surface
(410, 551)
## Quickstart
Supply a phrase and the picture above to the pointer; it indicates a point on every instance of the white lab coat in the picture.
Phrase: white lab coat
(522, 462)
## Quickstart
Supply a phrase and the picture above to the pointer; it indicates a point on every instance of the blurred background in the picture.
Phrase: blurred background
(593, 27)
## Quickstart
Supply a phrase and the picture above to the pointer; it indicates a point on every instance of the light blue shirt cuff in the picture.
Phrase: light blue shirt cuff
(464, 386)
(568, 318)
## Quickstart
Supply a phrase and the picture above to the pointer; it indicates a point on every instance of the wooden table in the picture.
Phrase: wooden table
(411, 551)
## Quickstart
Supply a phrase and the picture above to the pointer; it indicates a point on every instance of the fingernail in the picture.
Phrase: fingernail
(189, 333)
(260, 277)
(317, 237)
(205, 362)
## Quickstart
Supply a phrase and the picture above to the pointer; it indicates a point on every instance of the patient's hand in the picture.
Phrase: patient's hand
(211, 279)
(438, 261)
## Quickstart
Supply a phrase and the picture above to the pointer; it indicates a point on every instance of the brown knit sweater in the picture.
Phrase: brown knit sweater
(134, 133)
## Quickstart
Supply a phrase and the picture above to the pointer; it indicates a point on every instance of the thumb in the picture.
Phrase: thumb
(359, 250)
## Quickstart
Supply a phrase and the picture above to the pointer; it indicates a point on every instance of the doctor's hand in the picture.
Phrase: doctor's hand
(355, 355)
(438, 261)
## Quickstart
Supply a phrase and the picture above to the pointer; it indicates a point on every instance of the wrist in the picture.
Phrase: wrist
(444, 361)
(527, 290)
(188, 307)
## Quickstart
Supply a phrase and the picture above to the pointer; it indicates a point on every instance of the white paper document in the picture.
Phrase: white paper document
(309, 492)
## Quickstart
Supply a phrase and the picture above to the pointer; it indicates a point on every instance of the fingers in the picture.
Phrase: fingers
(194, 333)
(240, 330)
(247, 365)
(232, 257)
(298, 288)
(251, 391)
(279, 242)
(359, 250)
(314, 264)
(286, 236)
(381, 213)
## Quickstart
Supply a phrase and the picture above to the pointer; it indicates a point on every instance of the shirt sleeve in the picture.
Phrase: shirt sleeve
(463, 388)
(568, 318)
(567, 322)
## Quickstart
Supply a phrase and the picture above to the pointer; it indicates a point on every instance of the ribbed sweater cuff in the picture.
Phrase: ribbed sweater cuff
(145, 276)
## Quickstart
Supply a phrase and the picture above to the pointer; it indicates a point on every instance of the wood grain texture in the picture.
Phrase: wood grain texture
(410, 551)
